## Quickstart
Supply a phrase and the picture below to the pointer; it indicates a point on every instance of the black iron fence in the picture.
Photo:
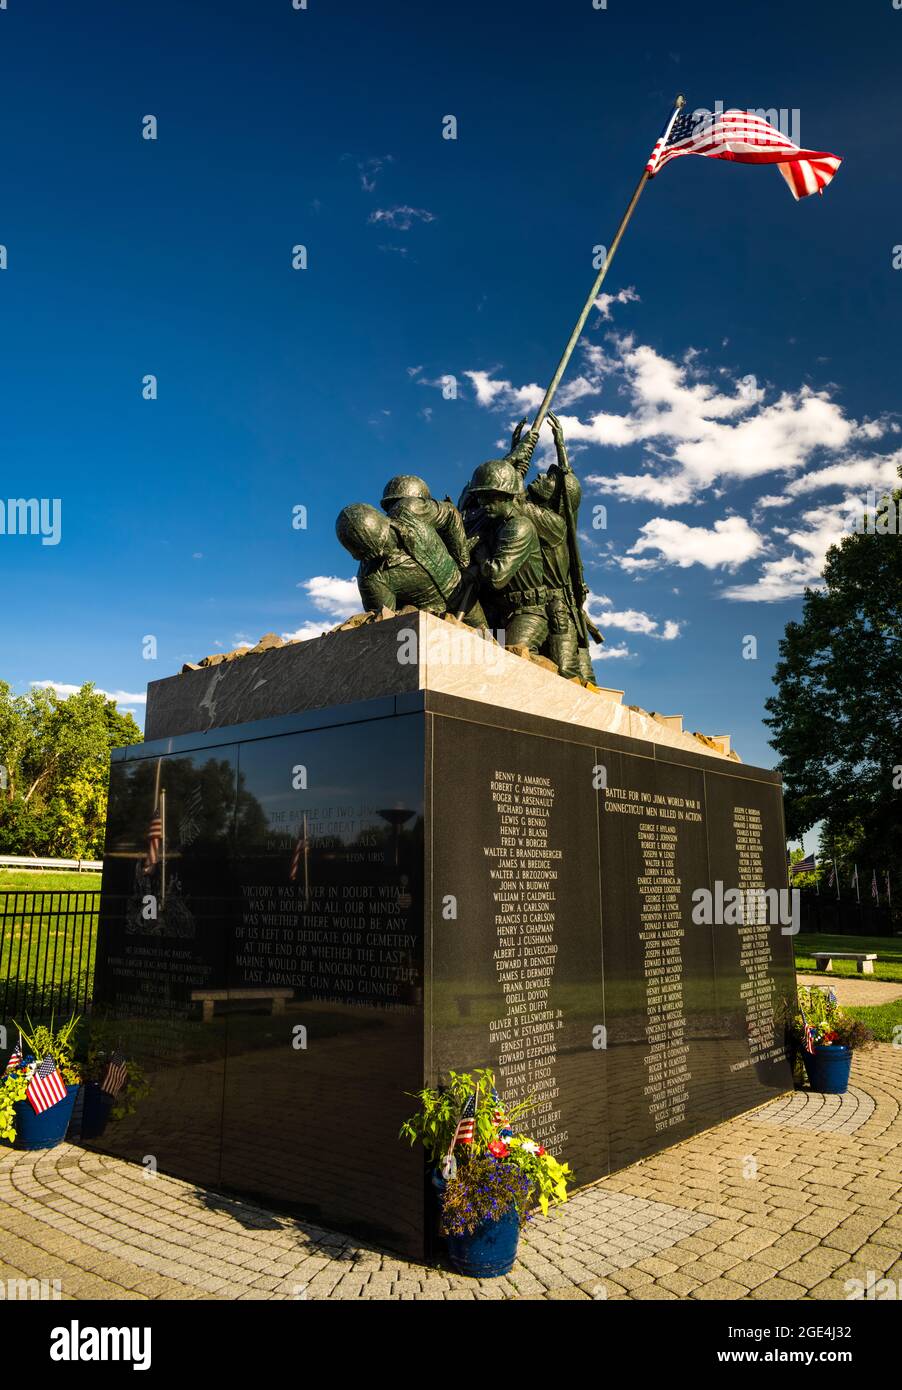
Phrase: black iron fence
(829, 916)
(47, 944)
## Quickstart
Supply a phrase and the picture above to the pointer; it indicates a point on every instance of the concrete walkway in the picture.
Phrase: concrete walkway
(787, 1202)
(856, 993)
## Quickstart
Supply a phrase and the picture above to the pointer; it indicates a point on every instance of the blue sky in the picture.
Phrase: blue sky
(738, 394)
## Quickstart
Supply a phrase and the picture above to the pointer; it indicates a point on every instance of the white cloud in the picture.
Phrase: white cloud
(604, 302)
(706, 430)
(486, 387)
(878, 471)
(402, 218)
(308, 630)
(122, 697)
(337, 597)
(602, 613)
(611, 653)
(728, 544)
(700, 435)
(802, 566)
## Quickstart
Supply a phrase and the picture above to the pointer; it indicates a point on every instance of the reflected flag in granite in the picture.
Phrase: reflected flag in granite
(115, 1075)
(154, 841)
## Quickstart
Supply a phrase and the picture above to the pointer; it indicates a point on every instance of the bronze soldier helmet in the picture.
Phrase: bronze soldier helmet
(364, 531)
(404, 487)
(496, 476)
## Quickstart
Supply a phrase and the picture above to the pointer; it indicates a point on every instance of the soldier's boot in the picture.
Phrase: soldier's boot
(527, 627)
(562, 645)
(586, 670)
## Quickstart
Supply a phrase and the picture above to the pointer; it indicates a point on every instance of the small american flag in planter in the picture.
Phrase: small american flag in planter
(46, 1087)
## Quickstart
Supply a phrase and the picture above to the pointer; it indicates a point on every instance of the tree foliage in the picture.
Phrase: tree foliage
(837, 714)
(56, 755)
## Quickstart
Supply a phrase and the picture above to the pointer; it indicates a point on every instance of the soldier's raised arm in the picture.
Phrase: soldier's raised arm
(560, 447)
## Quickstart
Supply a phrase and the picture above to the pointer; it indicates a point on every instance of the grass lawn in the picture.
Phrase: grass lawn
(46, 956)
(884, 1021)
(33, 881)
(887, 966)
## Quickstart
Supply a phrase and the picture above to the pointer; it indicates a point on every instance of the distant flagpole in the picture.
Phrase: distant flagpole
(600, 277)
(162, 847)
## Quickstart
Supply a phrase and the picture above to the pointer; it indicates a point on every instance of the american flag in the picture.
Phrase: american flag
(875, 891)
(154, 841)
(466, 1125)
(499, 1117)
(808, 1033)
(744, 137)
(46, 1087)
(804, 866)
(15, 1057)
(115, 1075)
(296, 857)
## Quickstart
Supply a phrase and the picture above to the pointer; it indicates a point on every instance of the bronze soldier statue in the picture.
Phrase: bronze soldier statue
(507, 554)
(507, 558)
(409, 496)
(555, 496)
(403, 560)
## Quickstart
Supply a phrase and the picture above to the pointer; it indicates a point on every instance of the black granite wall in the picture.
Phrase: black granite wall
(359, 898)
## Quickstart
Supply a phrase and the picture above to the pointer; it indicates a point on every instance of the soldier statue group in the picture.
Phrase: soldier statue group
(506, 558)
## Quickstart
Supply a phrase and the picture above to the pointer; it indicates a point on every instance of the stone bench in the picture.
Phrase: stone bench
(823, 960)
(208, 998)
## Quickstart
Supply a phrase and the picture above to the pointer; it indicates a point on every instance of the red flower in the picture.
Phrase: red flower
(540, 1150)
(498, 1149)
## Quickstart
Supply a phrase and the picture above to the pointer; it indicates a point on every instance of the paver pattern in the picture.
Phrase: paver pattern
(755, 1208)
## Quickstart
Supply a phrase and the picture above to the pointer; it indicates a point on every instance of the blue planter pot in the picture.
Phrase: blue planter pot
(47, 1130)
(490, 1251)
(97, 1107)
(828, 1069)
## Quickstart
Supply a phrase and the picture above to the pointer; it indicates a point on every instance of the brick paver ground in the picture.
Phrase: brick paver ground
(789, 1202)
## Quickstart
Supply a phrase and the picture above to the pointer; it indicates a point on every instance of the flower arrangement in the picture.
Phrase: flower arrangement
(823, 1023)
(36, 1045)
(485, 1169)
(79, 1057)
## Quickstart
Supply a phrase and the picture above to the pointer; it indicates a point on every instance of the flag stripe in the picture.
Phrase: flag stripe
(741, 137)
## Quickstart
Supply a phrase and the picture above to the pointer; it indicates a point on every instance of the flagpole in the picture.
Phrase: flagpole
(162, 847)
(600, 277)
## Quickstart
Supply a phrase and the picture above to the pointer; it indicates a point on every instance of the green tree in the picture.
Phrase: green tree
(56, 754)
(837, 714)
